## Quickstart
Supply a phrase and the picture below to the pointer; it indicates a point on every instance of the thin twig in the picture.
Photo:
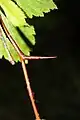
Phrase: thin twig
(23, 58)
(30, 91)
(37, 57)
(13, 42)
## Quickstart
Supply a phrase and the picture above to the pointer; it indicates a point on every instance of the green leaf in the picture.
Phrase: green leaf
(15, 34)
(13, 12)
(30, 7)
(2, 50)
(36, 7)
(15, 17)
(29, 32)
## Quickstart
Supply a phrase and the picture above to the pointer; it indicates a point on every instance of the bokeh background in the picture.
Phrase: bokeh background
(56, 83)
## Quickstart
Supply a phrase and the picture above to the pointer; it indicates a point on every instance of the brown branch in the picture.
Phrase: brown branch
(13, 42)
(23, 58)
(37, 57)
(30, 91)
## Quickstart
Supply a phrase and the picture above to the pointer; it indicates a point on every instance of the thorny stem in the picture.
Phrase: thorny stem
(30, 91)
(13, 42)
(23, 58)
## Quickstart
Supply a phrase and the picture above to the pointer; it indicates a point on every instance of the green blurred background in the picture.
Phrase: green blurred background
(56, 83)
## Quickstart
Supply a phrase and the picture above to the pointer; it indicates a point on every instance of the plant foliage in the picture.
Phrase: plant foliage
(14, 13)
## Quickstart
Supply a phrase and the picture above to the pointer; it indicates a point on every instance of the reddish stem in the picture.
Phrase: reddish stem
(30, 91)
(13, 42)
(23, 58)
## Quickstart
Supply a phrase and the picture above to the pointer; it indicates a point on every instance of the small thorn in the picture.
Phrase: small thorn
(12, 62)
(38, 57)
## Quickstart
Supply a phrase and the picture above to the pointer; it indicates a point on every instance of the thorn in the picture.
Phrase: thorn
(38, 57)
